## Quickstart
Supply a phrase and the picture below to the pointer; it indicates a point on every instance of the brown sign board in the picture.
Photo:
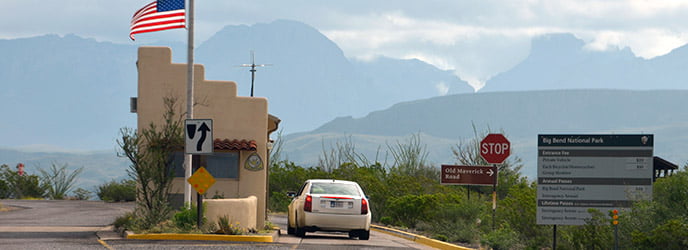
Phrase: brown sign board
(469, 175)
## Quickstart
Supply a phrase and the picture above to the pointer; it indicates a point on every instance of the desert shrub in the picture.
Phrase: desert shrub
(595, 234)
(20, 187)
(125, 221)
(386, 220)
(503, 238)
(124, 190)
(441, 237)
(227, 227)
(4, 189)
(408, 210)
(58, 181)
(82, 194)
(187, 218)
(458, 220)
(671, 235)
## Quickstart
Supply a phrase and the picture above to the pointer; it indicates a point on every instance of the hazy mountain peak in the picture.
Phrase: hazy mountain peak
(562, 61)
(556, 43)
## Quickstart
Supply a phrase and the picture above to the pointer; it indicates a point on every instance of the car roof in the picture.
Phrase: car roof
(330, 181)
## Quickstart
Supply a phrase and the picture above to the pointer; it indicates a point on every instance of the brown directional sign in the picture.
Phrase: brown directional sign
(469, 175)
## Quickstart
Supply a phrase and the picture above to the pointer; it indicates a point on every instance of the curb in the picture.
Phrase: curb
(201, 237)
(273, 237)
(418, 238)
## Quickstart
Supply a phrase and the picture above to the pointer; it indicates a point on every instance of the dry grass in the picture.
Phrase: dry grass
(5, 208)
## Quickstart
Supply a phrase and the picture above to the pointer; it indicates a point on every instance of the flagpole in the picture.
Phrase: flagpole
(189, 96)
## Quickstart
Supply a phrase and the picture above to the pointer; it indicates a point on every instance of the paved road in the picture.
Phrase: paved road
(41, 224)
(333, 240)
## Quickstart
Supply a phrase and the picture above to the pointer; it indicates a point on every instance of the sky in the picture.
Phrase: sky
(475, 39)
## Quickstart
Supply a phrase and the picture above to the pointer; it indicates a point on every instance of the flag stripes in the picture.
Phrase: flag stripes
(150, 18)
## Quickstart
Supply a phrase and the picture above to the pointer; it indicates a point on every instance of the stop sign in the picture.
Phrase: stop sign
(495, 148)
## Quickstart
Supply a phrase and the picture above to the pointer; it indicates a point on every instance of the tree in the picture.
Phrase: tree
(410, 159)
(149, 151)
(342, 152)
(468, 153)
(57, 181)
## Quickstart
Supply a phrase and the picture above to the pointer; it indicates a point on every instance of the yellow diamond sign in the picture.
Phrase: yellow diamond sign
(201, 180)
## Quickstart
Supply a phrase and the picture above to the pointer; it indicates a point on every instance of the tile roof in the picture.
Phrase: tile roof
(226, 144)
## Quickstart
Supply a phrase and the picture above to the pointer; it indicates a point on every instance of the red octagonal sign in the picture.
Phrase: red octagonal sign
(495, 148)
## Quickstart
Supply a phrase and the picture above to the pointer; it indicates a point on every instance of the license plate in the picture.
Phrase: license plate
(336, 204)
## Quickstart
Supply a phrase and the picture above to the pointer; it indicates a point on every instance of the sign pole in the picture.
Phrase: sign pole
(554, 237)
(494, 198)
(189, 95)
(199, 198)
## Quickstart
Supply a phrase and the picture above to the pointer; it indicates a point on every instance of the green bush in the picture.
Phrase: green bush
(58, 181)
(671, 235)
(502, 238)
(458, 220)
(187, 218)
(386, 220)
(125, 221)
(20, 187)
(441, 237)
(82, 194)
(227, 227)
(4, 189)
(408, 210)
(125, 190)
(595, 234)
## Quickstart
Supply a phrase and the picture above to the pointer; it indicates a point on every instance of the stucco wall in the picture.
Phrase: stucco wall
(234, 117)
(241, 210)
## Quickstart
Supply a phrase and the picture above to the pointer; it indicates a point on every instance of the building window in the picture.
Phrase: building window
(223, 164)
(177, 163)
(219, 164)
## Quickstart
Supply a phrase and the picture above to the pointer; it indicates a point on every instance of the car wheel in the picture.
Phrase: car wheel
(352, 234)
(363, 235)
(300, 231)
(290, 230)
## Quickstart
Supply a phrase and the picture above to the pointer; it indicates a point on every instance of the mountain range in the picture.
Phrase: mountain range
(561, 61)
(447, 121)
(72, 93)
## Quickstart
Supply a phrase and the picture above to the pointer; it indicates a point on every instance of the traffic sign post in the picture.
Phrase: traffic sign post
(495, 148)
(198, 140)
(468, 175)
(198, 136)
(201, 181)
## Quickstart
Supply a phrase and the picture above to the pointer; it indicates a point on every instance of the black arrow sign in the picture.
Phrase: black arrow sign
(204, 129)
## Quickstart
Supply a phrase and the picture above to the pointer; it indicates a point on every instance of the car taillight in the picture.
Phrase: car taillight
(308, 206)
(364, 206)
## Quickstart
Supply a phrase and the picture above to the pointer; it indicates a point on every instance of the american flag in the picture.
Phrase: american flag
(159, 15)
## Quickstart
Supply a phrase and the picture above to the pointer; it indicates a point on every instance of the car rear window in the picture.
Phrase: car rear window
(334, 188)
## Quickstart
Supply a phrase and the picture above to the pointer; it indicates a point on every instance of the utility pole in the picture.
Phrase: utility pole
(253, 70)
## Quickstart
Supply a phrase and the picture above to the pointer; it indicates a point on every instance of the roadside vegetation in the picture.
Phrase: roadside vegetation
(407, 194)
(53, 183)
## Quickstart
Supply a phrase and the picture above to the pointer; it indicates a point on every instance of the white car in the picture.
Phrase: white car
(329, 205)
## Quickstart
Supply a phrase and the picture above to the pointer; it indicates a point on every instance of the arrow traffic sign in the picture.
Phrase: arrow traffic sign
(199, 136)
(469, 175)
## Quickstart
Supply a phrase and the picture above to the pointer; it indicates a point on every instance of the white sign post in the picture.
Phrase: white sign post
(199, 136)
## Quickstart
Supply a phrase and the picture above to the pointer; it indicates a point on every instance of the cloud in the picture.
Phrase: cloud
(442, 88)
(478, 39)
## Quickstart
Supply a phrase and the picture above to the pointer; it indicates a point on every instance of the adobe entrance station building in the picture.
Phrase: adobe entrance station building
(241, 129)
